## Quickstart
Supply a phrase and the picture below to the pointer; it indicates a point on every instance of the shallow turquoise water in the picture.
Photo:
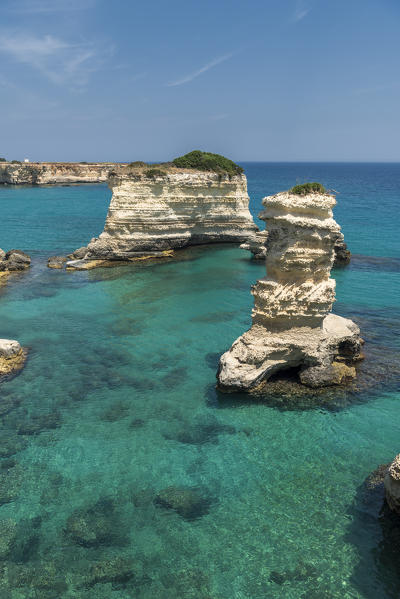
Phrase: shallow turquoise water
(120, 386)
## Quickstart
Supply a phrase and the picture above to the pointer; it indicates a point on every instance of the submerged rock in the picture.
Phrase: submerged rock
(95, 526)
(12, 357)
(292, 324)
(14, 260)
(8, 533)
(116, 569)
(187, 502)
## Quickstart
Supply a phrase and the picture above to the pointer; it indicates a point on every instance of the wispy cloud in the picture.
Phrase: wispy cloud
(200, 71)
(60, 61)
(47, 6)
(301, 11)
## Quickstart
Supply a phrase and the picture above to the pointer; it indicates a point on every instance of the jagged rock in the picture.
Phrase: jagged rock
(12, 356)
(257, 245)
(14, 260)
(57, 261)
(188, 503)
(292, 325)
(392, 485)
(342, 254)
(151, 215)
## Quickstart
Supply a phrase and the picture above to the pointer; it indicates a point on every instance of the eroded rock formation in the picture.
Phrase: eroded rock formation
(257, 245)
(292, 324)
(53, 173)
(149, 215)
(12, 357)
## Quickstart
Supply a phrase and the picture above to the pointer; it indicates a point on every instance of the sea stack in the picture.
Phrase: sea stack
(292, 324)
(158, 209)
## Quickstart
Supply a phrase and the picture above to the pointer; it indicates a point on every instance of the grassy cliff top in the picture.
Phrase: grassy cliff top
(196, 160)
(206, 161)
(307, 188)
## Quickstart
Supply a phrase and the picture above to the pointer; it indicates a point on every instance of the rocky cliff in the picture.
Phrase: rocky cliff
(292, 324)
(171, 209)
(53, 173)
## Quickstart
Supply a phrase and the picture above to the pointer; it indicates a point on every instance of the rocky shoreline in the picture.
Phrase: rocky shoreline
(54, 173)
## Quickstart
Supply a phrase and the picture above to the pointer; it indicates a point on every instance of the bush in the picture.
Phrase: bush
(154, 172)
(306, 188)
(16, 162)
(137, 163)
(3, 160)
(205, 161)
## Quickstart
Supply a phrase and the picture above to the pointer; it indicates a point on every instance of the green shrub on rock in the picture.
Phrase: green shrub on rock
(154, 172)
(206, 161)
(3, 159)
(306, 188)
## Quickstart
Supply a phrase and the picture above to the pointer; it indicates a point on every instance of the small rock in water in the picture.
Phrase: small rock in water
(57, 262)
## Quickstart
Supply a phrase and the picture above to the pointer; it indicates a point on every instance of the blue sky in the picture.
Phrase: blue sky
(259, 80)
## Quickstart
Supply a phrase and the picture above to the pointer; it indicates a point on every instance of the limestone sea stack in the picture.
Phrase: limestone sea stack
(154, 210)
(292, 324)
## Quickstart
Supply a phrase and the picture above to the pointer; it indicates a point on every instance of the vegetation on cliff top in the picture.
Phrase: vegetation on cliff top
(206, 161)
(154, 172)
(306, 188)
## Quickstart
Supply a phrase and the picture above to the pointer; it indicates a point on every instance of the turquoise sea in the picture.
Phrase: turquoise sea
(116, 416)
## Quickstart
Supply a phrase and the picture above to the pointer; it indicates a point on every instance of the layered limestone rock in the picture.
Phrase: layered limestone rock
(149, 215)
(12, 357)
(257, 245)
(292, 325)
(392, 485)
(53, 173)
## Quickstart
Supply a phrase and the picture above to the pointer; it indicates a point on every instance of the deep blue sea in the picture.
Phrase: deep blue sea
(116, 410)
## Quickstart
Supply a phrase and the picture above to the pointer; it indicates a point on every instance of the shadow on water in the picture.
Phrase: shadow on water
(375, 532)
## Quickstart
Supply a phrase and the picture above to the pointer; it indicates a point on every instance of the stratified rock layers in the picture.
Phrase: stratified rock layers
(292, 325)
(172, 211)
(257, 245)
(53, 173)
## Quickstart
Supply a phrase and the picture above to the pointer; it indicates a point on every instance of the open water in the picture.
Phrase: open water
(115, 416)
